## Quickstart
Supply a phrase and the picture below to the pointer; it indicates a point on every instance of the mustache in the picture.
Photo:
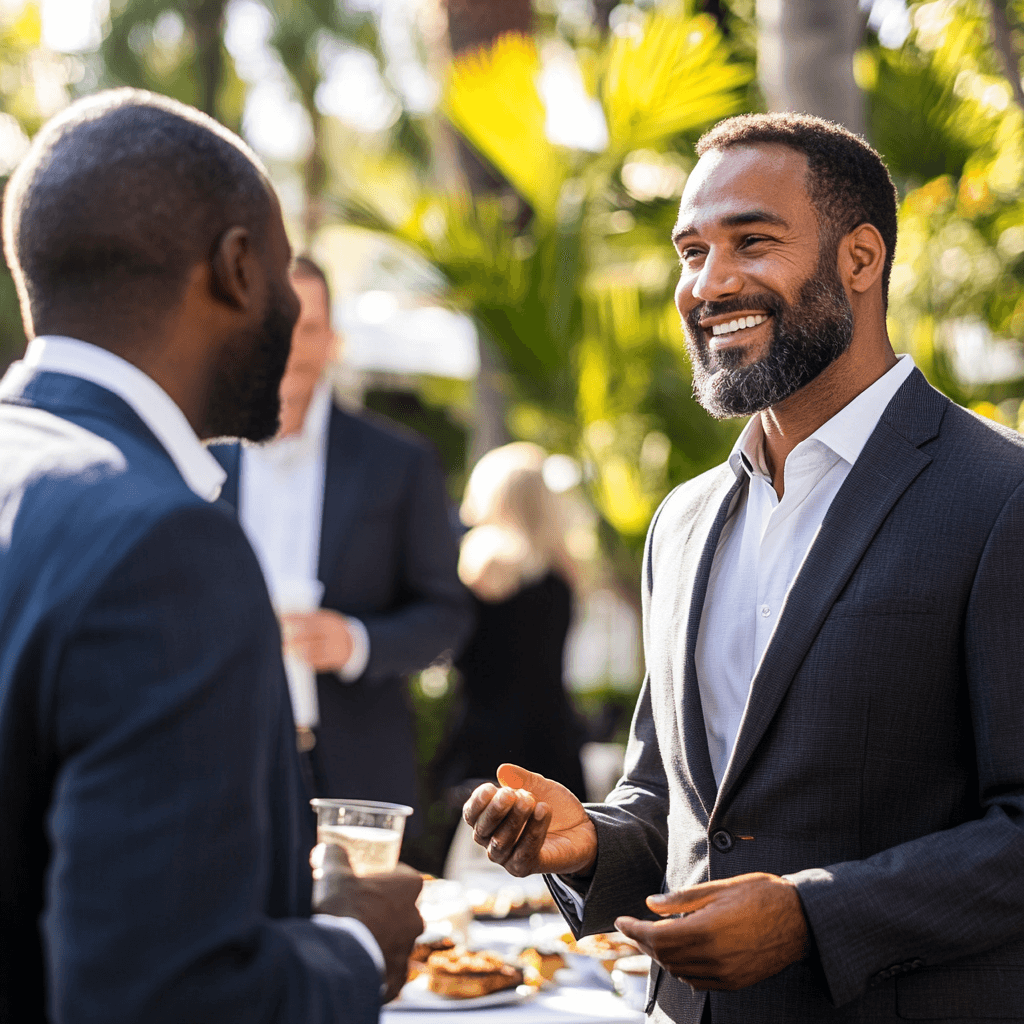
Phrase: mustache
(767, 301)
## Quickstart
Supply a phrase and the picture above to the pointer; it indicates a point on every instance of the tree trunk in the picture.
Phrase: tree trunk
(805, 58)
(206, 20)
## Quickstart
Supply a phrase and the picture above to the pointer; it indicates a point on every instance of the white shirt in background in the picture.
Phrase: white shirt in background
(281, 507)
(199, 469)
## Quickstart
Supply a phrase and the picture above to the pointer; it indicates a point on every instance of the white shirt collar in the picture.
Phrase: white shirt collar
(846, 433)
(199, 469)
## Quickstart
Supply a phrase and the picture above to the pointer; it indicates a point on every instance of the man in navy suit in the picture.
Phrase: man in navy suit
(154, 831)
(358, 504)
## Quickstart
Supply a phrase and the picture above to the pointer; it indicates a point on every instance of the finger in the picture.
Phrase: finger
(493, 814)
(478, 800)
(514, 777)
(504, 836)
(525, 855)
(684, 901)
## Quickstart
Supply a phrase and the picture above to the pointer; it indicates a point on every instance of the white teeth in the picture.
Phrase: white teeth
(738, 325)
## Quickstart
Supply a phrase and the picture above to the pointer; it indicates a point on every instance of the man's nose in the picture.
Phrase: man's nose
(718, 278)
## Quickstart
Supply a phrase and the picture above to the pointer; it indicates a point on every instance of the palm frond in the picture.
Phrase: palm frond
(675, 77)
(492, 99)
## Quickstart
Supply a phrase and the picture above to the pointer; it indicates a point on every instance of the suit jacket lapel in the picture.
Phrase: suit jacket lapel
(341, 491)
(889, 463)
(694, 732)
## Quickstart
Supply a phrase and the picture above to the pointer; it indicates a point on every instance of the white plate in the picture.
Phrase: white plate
(416, 996)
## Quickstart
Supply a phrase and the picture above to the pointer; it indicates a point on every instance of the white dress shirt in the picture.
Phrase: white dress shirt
(198, 468)
(762, 546)
(281, 506)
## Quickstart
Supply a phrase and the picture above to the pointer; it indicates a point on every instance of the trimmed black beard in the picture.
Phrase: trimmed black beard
(245, 400)
(808, 336)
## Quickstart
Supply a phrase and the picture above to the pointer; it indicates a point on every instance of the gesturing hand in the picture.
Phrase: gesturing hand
(531, 824)
(736, 932)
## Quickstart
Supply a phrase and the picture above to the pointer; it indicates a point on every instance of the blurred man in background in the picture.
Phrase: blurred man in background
(359, 505)
(155, 852)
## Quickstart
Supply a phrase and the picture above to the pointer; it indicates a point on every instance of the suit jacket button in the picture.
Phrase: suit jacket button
(722, 841)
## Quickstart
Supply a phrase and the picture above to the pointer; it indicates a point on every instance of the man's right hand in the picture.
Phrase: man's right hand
(385, 903)
(532, 824)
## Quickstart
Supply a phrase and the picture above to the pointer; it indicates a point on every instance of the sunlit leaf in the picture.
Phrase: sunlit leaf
(673, 78)
(492, 99)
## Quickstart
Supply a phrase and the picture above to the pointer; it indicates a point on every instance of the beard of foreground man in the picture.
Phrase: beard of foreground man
(821, 816)
(154, 830)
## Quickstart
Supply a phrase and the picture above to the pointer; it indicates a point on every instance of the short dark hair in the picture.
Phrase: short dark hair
(119, 197)
(847, 182)
(306, 266)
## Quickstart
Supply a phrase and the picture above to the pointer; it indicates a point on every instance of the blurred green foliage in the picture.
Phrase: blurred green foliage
(571, 276)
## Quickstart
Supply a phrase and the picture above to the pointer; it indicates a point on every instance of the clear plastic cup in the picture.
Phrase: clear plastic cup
(369, 832)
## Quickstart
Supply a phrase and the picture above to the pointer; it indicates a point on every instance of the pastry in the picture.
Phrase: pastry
(459, 974)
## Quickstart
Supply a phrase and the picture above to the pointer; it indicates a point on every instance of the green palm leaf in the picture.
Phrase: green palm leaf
(673, 78)
(492, 99)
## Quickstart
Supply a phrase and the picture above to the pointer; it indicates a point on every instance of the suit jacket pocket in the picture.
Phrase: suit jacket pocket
(984, 992)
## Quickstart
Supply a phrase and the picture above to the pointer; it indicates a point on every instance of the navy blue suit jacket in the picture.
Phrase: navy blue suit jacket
(151, 834)
(388, 557)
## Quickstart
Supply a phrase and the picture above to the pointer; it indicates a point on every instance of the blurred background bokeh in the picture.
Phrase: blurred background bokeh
(491, 186)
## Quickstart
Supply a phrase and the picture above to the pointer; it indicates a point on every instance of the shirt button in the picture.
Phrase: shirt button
(765, 610)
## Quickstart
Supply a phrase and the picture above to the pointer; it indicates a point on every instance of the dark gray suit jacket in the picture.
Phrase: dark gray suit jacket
(880, 760)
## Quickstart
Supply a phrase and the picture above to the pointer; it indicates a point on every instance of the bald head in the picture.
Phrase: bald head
(117, 200)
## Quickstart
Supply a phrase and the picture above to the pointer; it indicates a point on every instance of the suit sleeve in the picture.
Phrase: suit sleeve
(174, 864)
(433, 614)
(959, 892)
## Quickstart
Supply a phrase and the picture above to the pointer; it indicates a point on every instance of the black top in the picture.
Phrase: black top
(515, 707)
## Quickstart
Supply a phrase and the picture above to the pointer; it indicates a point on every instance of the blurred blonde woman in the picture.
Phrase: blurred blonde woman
(514, 561)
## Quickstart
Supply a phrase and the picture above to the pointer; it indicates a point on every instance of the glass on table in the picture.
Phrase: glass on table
(369, 832)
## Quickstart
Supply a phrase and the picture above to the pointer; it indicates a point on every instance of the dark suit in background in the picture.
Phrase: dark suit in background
(388, 557)
(152, 850)
(880, 761)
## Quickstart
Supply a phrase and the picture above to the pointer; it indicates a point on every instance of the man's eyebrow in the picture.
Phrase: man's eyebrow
(734, 220)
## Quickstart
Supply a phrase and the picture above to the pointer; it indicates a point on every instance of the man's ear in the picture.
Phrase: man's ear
(232, 269)
(862, 258)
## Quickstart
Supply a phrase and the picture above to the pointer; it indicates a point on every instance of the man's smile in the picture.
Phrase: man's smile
(724, 332)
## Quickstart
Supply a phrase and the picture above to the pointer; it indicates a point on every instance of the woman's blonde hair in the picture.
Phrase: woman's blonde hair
(517, 534)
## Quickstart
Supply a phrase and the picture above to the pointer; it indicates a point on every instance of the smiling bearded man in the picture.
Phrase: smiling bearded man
(823, 796)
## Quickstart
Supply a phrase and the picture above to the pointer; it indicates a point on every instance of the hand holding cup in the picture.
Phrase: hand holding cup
(385, 902)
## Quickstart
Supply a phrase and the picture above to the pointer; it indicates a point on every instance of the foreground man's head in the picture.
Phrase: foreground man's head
(786, 235)
(142, 226)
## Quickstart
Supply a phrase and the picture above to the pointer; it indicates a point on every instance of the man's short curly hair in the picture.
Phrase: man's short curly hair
(847, 182)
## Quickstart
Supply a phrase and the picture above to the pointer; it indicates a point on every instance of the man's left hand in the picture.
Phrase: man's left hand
(321, 638)
(735, 932)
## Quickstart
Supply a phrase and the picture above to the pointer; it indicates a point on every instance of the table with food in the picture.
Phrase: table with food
(496, 949)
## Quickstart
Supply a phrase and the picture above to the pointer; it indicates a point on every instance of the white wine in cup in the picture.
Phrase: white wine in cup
(369, 832)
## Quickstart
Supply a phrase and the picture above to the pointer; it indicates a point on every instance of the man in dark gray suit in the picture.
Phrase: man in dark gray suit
(823, 799)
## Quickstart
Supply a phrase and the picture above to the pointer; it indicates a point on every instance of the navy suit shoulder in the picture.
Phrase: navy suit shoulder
(149, 795)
